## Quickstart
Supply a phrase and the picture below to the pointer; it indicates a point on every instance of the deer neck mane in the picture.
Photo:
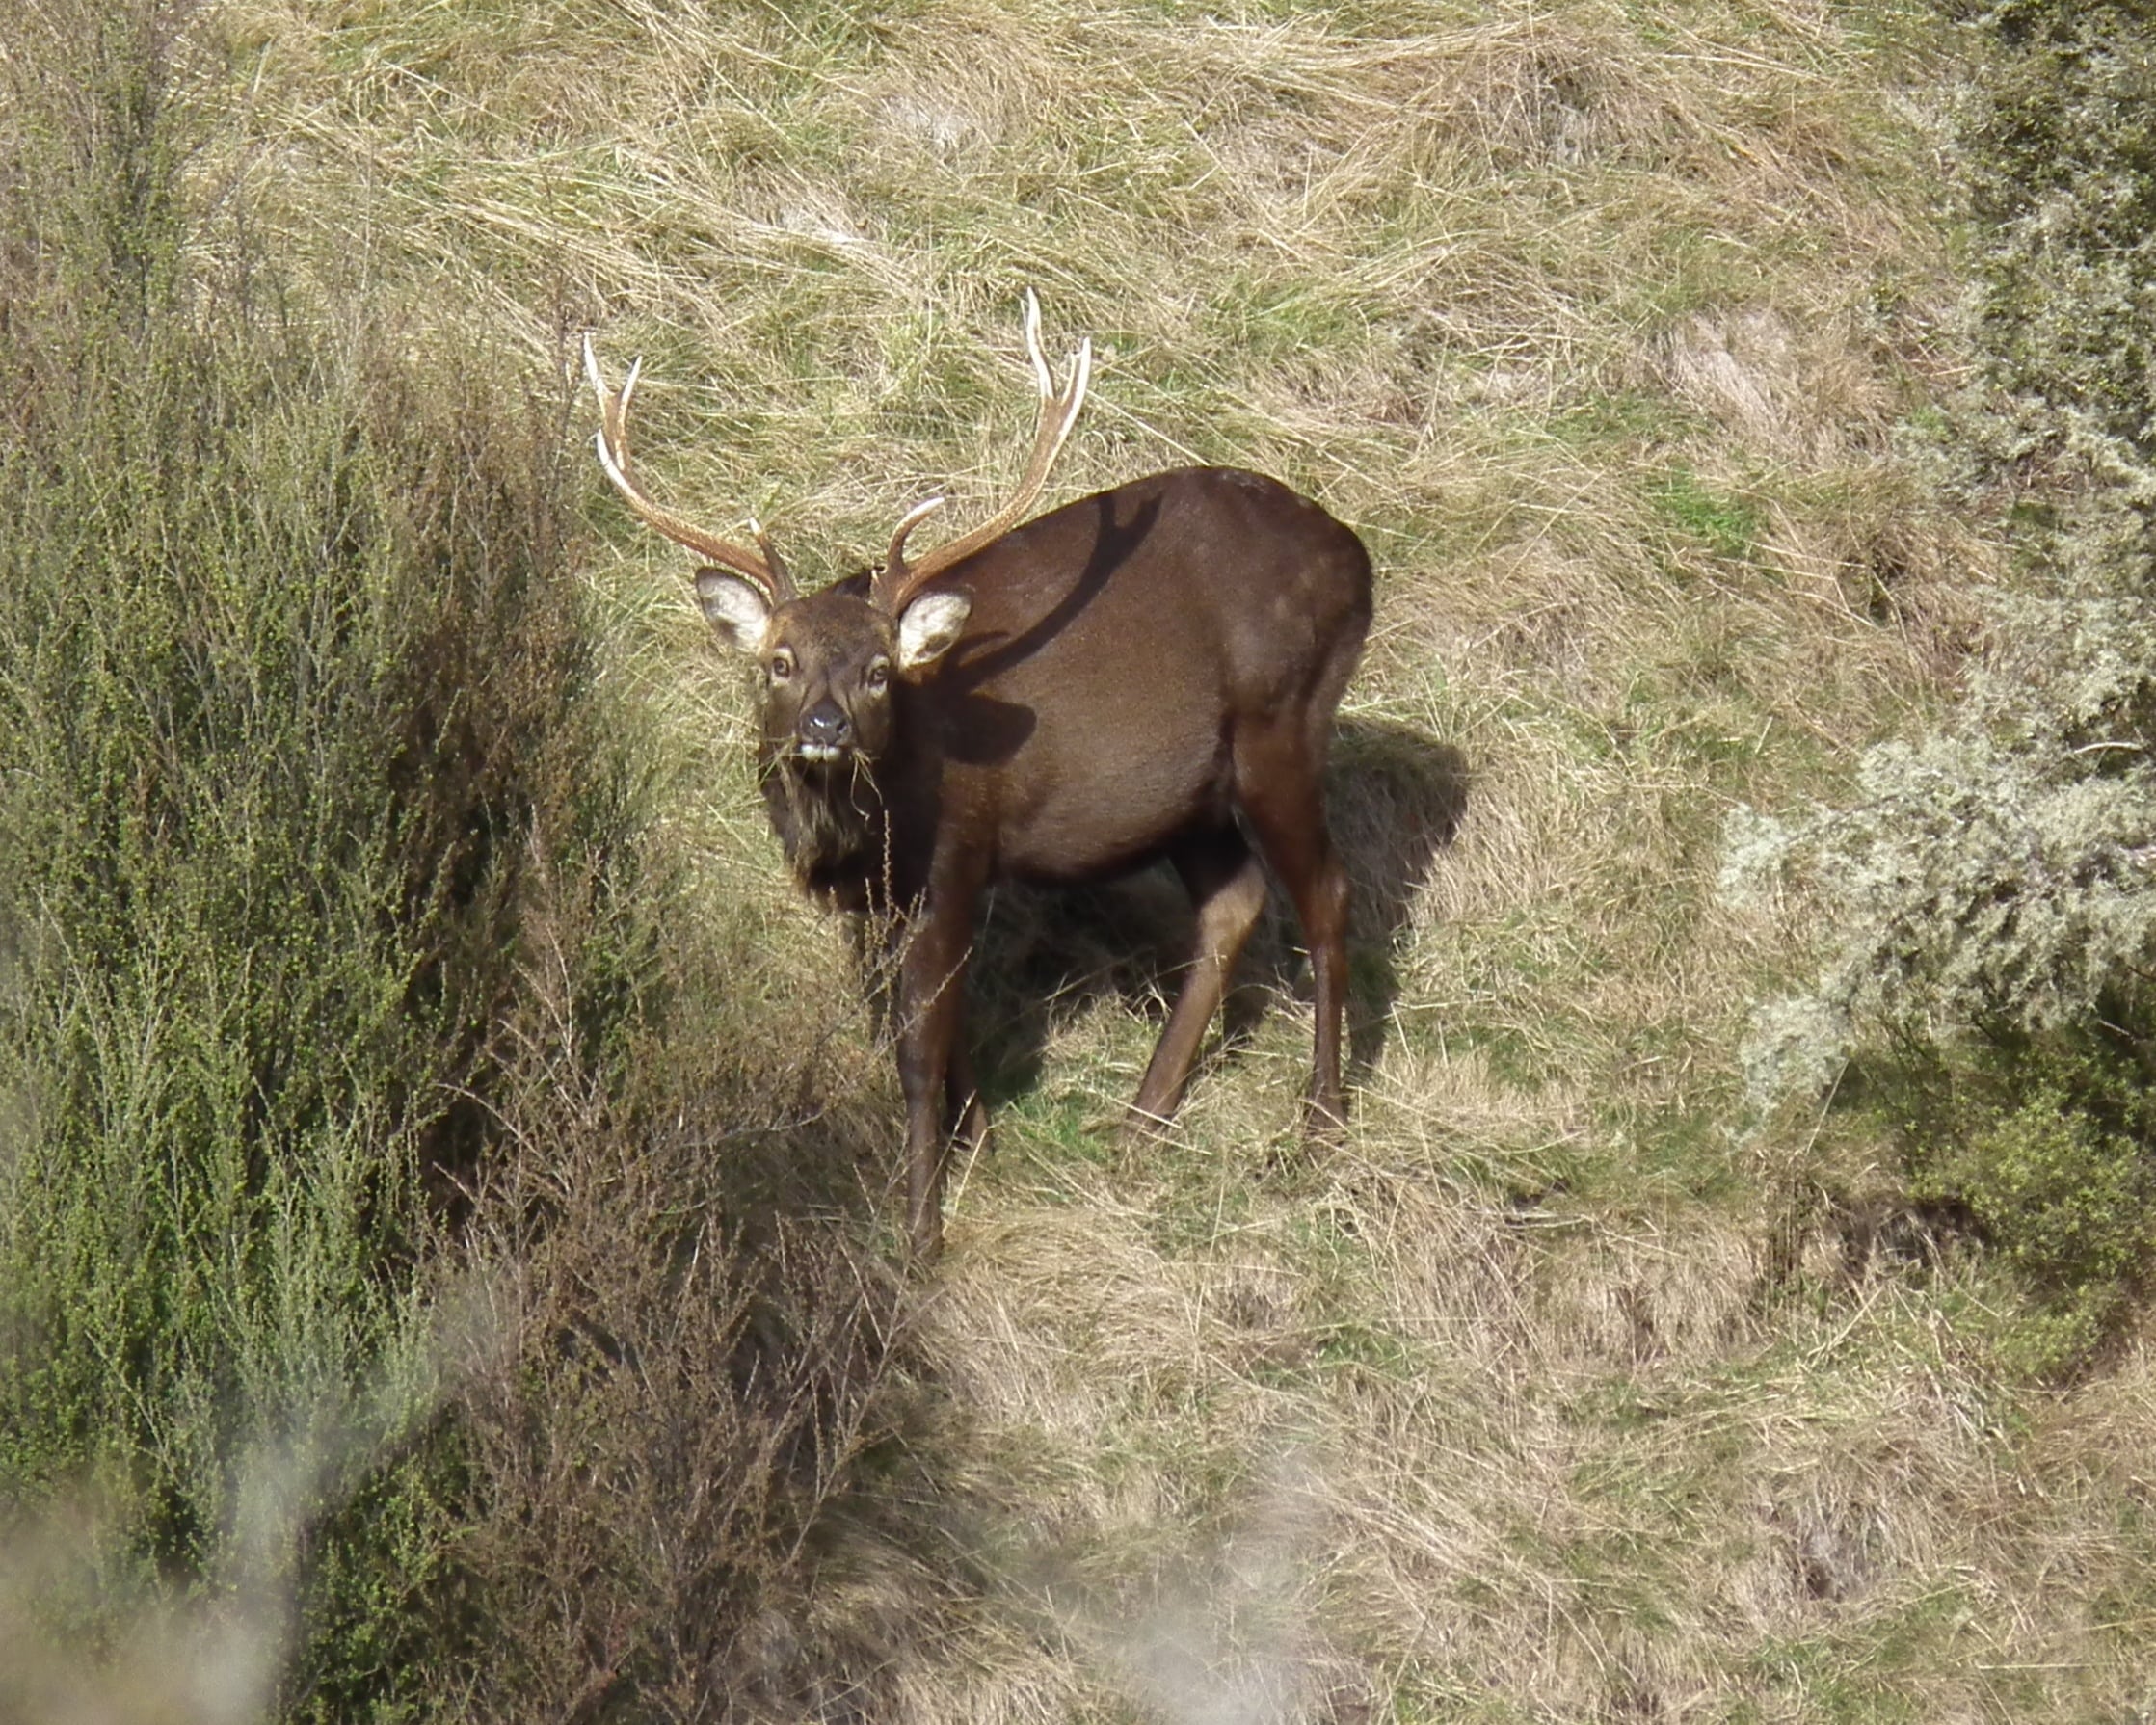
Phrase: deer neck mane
(831, 824)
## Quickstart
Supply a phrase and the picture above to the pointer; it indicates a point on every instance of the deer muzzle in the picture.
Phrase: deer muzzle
(824, 733)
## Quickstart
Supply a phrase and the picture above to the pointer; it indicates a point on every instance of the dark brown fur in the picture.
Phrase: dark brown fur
(1148, 673)
(829, 824)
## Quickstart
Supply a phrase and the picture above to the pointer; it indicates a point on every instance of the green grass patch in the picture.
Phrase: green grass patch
(1727, 525)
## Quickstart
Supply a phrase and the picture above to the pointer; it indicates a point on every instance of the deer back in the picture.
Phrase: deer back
(1112, 647)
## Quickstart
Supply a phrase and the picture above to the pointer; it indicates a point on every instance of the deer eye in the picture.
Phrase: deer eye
(782, 666)
(878, 674)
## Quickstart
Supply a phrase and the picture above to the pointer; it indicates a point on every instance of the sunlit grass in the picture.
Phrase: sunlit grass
(1553, 1391)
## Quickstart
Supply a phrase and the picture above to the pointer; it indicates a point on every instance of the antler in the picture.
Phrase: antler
(767, 570)
(898, 581)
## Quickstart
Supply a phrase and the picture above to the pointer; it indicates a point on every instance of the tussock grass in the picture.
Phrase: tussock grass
(1559, 1388)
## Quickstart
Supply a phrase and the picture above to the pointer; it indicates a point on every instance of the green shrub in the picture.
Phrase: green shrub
(2069, 1203)
(1994, 891)
(2057, 137)
(292, 701)
(368, 1284)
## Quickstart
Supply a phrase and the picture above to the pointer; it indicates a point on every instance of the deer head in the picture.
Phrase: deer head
(828, 657)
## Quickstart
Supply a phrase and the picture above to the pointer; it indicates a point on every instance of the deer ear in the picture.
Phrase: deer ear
(930, 627)
(740, 613)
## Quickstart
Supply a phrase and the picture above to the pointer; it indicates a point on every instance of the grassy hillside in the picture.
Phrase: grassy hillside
(1566, 1387)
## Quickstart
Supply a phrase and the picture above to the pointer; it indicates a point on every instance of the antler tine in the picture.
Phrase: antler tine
(1043, 379)
(895, 558)
(1059, 412)
(767, 570)
(782, 579)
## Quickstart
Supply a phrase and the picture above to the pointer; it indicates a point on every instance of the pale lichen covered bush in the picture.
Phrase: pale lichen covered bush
(1993, 892)
(1999, 877)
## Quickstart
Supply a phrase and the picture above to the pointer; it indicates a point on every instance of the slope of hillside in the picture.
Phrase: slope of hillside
(1565, 1386)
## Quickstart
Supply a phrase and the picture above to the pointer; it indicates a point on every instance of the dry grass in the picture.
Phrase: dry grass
(1552, 1394)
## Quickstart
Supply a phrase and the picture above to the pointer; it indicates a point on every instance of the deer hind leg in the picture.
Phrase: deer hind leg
(1227, 884)
(1280, 783)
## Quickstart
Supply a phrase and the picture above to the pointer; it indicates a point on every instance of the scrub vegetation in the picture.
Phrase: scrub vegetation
(448, 1263)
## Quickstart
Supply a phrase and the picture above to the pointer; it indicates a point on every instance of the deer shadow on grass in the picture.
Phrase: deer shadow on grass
(1395, 798)
(1043, 957)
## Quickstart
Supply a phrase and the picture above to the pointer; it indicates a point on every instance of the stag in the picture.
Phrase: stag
(1147, 672)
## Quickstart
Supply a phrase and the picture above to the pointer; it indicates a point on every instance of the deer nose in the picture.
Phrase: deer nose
(825, 726)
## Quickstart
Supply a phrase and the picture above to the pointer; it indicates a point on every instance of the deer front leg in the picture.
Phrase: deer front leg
(931, 1012)
(968, 1114)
